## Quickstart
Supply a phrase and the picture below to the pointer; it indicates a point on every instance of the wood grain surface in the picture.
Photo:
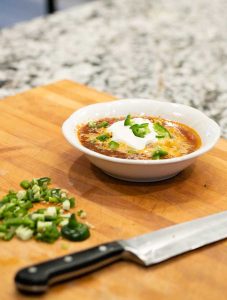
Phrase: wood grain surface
(32, 145)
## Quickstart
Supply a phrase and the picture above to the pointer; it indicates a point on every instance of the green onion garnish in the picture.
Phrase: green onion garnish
(103, 137)
(128, 121)
(113, 145)
(161, 131)
(131, 151)
(140, 130)
(42, 224)
(159, 153)
(92, 124)
(102, 124)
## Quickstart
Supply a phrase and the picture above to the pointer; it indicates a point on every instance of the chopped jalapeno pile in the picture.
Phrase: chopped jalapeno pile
(44, 224)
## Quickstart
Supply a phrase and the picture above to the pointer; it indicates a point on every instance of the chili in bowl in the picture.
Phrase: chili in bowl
(140, 139)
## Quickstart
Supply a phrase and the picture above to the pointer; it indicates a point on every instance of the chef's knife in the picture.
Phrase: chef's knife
(147, 249)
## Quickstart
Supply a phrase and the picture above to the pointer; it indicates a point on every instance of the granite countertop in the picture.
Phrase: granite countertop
(173, 50)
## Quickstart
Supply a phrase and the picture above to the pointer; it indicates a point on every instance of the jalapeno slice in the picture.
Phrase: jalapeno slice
(75, 231)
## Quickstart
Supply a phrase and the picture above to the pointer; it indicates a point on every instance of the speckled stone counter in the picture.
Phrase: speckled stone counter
(173, 50)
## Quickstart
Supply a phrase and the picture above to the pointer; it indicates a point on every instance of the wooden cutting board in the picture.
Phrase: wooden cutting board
(32, 145)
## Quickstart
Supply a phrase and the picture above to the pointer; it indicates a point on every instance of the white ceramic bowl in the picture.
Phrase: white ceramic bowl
(142, 170)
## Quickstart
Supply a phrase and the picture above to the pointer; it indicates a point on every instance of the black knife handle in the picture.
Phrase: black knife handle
(37, 278)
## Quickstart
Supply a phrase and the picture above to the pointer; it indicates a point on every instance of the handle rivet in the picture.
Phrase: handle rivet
(102, 248)
(68, 259)
(32, 270)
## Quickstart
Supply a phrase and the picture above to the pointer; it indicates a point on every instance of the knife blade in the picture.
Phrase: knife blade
(147, 249)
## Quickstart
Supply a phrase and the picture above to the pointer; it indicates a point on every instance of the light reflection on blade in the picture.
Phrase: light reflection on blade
(160, 245)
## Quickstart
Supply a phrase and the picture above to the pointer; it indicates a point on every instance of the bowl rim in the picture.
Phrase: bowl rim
(76, 143)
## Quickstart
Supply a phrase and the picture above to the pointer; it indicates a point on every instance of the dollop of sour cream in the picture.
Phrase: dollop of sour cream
(123, 134)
